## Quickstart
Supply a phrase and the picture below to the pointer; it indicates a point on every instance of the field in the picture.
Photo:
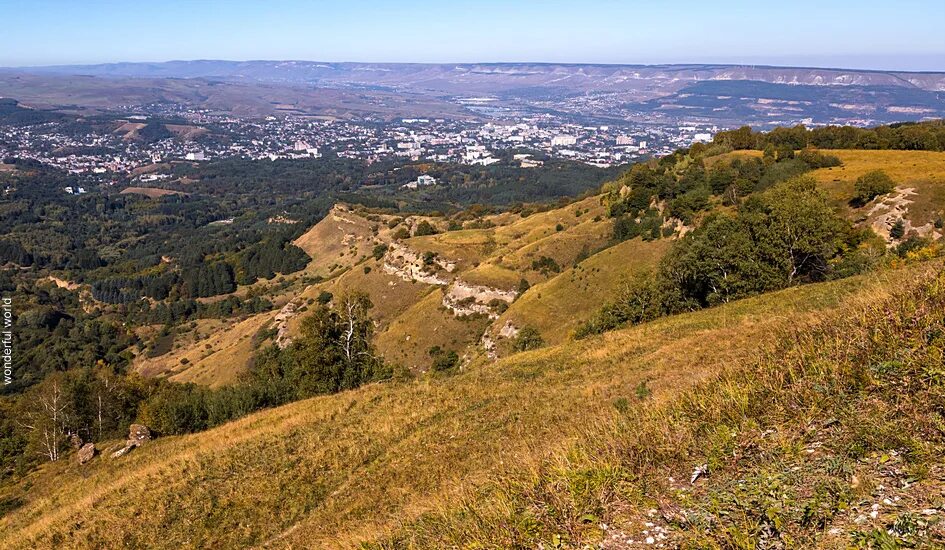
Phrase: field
(366, 464)
(150, 192)
(923, 171)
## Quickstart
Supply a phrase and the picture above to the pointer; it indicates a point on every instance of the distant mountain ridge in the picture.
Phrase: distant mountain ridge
(449, 77)
(763, 96)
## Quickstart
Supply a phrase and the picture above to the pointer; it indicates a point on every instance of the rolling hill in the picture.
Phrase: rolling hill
(805, 417)
(729, 93)
(520, 445)
(466, 283)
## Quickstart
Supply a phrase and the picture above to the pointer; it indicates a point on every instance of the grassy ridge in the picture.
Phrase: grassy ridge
(335, 470)
(832, 438)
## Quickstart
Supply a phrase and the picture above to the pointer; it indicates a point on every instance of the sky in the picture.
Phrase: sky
(868, 34)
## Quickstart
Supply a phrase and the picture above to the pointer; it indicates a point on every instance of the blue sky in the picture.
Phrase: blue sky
(906, 34)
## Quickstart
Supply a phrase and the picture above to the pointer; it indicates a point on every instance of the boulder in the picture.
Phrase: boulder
(138, 434)
(121, 452)
(86, 453)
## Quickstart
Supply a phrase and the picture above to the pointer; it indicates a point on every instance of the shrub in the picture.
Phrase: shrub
(528, 338)
(444, 361)
(424, 228)
(546, 265)
(898, 229)
(379, 251)
(401, 234)
(871, 185)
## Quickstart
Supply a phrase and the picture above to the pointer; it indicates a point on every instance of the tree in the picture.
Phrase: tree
(523, 286)
(799, 224)
(424, 228)
(528, 338)
(786, 235)
(46, 414)
(871, 185)
(898, 229)
(333, 353)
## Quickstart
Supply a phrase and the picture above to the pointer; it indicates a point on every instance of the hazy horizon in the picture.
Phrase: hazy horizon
(760, 63)
(844, 34)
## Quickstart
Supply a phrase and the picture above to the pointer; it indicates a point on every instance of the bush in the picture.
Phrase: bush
(424, 228)
(379, 251)
(871, 185)
(898, 229)
(401, 234)
(546, 265)
(528, 339)
(815, 159)
(444, 361)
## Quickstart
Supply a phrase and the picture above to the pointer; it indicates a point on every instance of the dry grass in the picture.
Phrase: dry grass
(215, 360)
(922, 170)
(556, 307)
(337, 242)
(150, 192)
(409, 337)
(502, 255)
(335, 470)
(831, 437)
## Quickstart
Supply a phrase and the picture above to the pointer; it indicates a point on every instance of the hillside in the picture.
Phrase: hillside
(466, 282)
(764, 323)
(483, 456)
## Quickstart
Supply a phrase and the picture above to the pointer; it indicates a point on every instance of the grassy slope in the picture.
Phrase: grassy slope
(556, 307)
(832, 438)
(408, 339)
(216, 359)
(922, 170)
(502, 255)
(335, 470)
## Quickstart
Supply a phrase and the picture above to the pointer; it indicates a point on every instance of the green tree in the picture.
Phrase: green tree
(871, 185)
(528, 338)
(424, 228)
(898, 229)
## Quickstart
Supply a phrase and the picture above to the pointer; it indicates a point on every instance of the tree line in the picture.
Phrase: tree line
(915, 136)
(98, 401)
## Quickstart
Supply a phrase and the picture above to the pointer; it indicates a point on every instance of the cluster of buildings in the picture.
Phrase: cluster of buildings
(108, 153)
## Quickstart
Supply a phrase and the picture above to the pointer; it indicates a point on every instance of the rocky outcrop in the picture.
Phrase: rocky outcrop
(281, 321)
(508, 330)
(86, 453)
(138, 434)
(892, 208)
(403, 262)
(463, 298)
